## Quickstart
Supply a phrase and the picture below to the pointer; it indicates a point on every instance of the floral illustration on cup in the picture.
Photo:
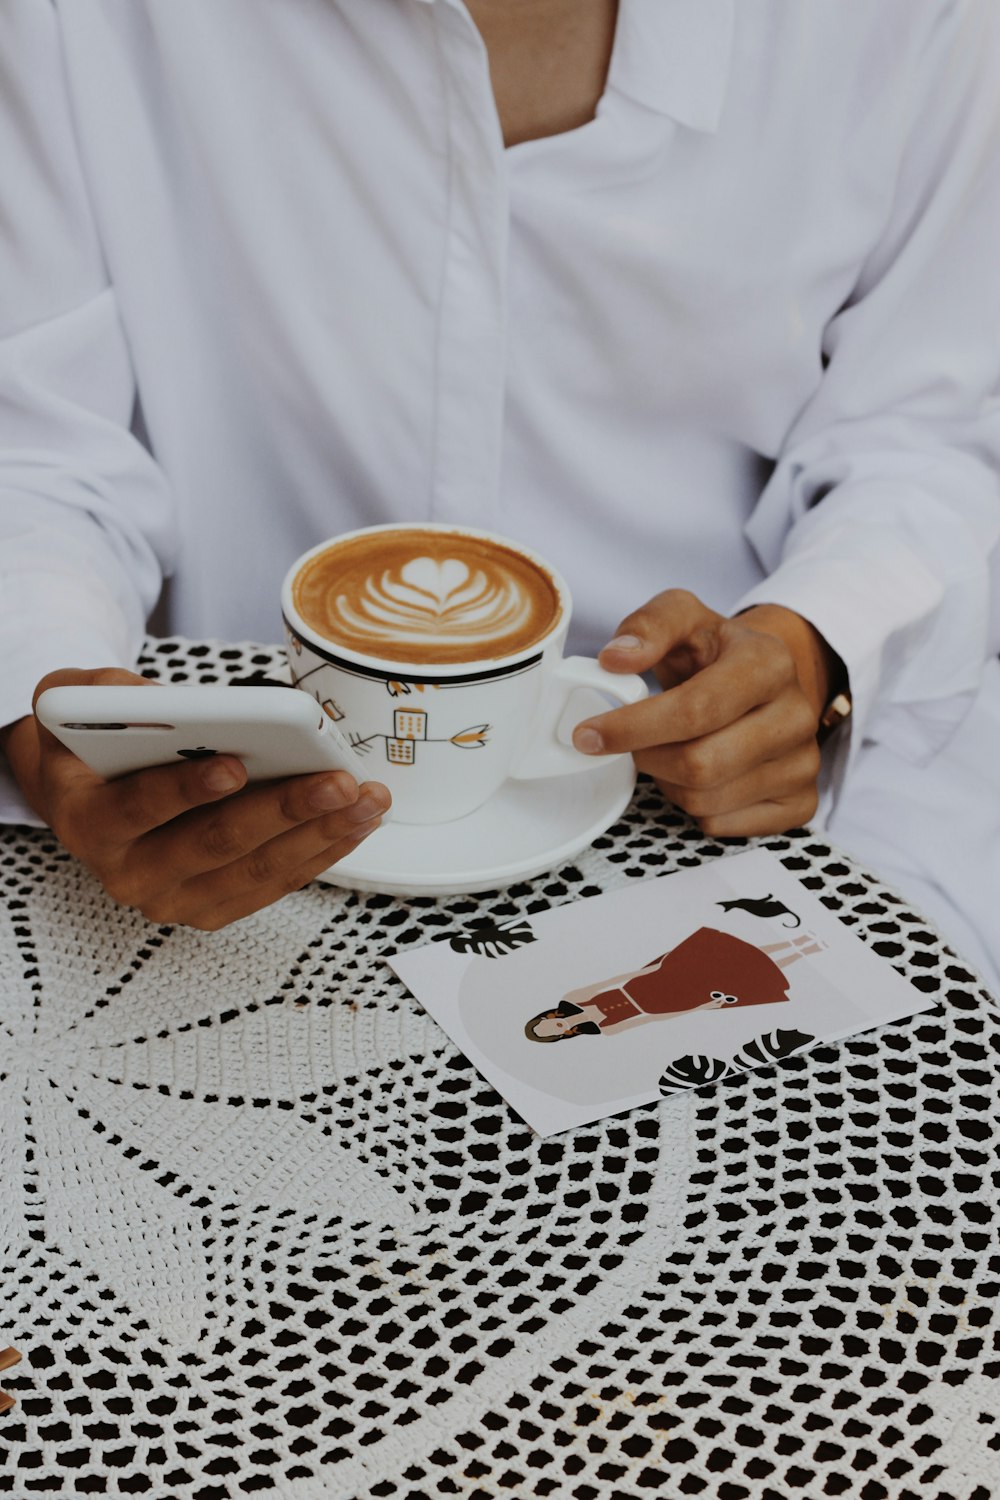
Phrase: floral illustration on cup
(399, 689)
(409, 727)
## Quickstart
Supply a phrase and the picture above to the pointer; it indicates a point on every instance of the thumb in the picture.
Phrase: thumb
(674, 632)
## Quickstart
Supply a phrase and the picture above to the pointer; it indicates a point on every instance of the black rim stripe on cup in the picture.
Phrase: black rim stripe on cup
(381, 675)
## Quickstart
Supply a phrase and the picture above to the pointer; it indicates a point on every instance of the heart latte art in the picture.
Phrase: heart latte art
(447, 601)
(425, 596)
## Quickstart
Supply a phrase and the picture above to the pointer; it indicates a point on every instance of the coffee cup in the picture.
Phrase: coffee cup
(438, 652)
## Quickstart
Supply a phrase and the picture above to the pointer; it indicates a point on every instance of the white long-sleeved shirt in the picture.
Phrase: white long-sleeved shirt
(267, 272)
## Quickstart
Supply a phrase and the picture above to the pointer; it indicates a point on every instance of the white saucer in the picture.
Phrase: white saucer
(525, 828)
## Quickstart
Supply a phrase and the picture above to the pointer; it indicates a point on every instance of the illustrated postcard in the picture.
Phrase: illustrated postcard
(688, 979)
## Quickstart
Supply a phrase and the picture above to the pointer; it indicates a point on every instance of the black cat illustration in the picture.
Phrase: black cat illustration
(763, 906)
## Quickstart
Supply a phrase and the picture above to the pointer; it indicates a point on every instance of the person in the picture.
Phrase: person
(708, 970)
(698, 298)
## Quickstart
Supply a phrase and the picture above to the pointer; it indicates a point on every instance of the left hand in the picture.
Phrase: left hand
(732, 738)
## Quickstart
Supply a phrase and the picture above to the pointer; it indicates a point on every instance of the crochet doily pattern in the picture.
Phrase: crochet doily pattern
(265, 1231)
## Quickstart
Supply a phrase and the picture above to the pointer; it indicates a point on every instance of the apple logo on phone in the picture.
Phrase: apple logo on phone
(201, 753)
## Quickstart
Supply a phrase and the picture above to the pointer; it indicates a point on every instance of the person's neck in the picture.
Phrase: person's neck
(548, 61)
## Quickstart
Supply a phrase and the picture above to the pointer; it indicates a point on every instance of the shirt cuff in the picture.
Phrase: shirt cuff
(51, 622)
(859, 621)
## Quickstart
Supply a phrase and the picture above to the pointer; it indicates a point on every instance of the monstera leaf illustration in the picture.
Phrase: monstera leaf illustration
(492, 939)
(693, 1072)
(769, 1048)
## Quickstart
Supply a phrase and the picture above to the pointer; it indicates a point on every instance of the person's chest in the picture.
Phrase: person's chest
(548, 62)
(348, 218)
(332, 273)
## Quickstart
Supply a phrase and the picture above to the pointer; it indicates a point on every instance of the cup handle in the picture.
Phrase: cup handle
(551, 752)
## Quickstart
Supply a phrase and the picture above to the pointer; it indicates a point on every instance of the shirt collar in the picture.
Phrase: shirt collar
(673, 56)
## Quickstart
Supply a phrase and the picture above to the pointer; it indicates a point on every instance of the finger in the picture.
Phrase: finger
(200, 862)
(779, 816)
(209, 906)
(58, 759)
(80, 676)
(271, 864)
(780, 780)
(212, 838)
(763, 738)
(672, 619)
(750, 673)
(132, 806)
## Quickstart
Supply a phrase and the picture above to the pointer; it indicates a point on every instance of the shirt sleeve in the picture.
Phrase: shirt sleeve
(86, 523)
(883, 510)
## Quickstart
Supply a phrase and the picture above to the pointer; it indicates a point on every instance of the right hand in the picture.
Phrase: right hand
(193, 843)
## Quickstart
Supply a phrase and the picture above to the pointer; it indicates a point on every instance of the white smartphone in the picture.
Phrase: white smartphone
(274, 731)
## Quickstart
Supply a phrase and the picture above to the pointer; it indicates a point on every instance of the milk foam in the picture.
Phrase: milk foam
(427, 600)
(421, 595)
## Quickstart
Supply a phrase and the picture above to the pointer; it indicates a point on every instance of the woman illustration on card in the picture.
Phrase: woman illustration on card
(710, 970)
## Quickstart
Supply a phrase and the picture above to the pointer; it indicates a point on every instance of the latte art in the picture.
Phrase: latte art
(446, 602)
(425, 596)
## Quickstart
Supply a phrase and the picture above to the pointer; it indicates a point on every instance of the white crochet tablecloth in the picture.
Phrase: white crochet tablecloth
(266, 1232)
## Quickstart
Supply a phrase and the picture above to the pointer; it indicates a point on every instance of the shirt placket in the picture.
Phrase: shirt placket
(471, 325)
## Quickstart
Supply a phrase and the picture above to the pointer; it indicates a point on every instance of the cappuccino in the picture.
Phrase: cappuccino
(426, 595)
(438, 652)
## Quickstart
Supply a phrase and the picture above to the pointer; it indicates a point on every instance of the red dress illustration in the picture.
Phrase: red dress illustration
(709, 967)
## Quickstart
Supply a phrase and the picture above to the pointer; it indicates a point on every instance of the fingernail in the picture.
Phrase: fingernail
(367, 806)
(217, 776)
(327, 796)
(588, 739)
(360, 834)
(624, 643)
